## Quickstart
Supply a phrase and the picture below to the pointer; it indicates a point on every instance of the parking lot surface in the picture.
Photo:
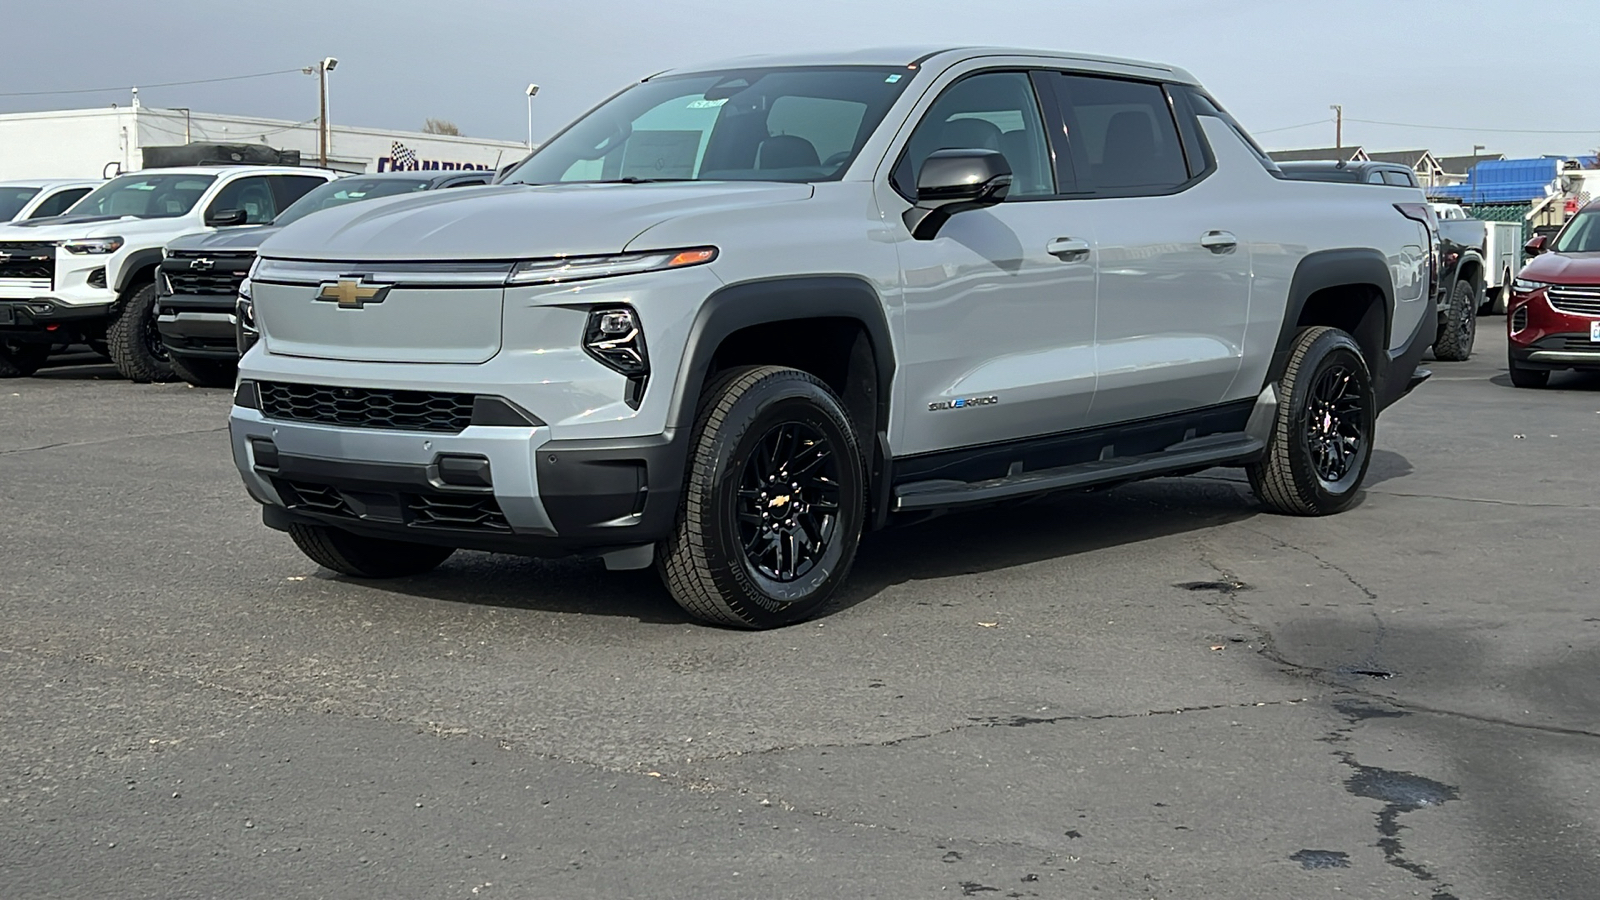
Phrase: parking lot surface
(1156, 691)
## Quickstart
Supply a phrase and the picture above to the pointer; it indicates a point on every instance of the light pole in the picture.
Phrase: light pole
(1338, 125)
(532, 90)
(324, 133)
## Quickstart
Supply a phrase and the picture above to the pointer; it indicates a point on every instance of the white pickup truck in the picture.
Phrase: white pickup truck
(89, 276)
(1502, 256)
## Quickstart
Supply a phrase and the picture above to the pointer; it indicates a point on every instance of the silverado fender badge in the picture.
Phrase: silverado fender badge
(963, 403)
(351, 293)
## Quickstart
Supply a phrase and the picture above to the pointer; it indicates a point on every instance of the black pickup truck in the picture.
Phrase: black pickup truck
(199, 308)
(1458, 260)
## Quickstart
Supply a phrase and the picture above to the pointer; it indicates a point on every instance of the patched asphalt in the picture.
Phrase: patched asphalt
(1156, 691)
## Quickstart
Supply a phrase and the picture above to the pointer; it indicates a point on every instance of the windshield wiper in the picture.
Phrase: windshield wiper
(634, 179)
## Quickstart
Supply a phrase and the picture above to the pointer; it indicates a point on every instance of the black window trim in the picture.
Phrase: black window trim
(1094, 192)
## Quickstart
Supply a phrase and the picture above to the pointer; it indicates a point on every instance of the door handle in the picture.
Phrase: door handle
(1219, 242)
(1068, 249)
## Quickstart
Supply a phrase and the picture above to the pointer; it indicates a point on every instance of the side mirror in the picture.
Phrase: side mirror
(222, 218)
(1535, 246)
(954, 181)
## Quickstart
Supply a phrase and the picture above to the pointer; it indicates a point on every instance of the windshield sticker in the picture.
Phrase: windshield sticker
(892, 79)
(661, 154)
(707, 104)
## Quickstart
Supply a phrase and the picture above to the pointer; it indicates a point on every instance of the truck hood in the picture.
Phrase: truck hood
(226, 240)
(512, 221)
(69, 228)
(1564, 268)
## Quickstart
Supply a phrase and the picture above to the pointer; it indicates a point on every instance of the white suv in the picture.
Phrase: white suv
(89, 275)
(40, 198)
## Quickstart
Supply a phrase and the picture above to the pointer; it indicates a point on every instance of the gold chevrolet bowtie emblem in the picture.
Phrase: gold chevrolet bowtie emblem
(350, 293)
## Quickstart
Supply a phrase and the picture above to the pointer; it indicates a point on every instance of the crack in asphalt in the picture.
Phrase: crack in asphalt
(110, 440)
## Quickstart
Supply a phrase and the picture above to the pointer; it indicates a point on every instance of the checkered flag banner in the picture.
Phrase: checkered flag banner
(404, 159)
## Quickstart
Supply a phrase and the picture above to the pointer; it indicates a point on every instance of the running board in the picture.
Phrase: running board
(1212, 450)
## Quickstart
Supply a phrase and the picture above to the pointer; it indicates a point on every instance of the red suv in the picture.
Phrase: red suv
(1554, 315)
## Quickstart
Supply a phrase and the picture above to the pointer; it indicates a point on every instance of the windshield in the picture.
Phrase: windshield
(1582, 234)
(348, 190)
(13, 199)
(144, 196)
(801, 124)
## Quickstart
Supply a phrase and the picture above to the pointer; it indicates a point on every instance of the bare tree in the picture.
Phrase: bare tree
(440, 126)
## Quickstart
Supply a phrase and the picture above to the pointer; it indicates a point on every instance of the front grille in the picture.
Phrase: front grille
(1583, 301)
(451, 511)
(480, 512)
(366, 408)
(30, 260)
(221, 277)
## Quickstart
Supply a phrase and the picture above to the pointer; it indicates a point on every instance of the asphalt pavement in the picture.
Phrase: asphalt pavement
(1156, 691)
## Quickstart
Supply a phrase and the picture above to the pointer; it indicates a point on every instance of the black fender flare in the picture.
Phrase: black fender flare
(1466, 258)
(1327, 269)
(137, 261)
(742, 305)
(766, 301)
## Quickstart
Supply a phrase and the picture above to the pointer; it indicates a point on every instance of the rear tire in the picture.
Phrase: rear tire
(134, 342)
(19, 360)
(1458, 327)
(1322, 438)
(773, 504)
(1525, 378)
(365, 557)
(207, 373)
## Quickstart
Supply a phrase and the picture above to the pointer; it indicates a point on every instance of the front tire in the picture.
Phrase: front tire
(19, 359)
(365, 557)
(206, 373)
(773, 504)
(1458, 327)
(1525, 378)
(1321, 442)
(134, 342)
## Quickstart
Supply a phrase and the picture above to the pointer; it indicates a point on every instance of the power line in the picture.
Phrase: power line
(1467, 128)
(130, 87)
(1293, 127)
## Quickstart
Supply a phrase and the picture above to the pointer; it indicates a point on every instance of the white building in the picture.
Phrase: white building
(95, 143)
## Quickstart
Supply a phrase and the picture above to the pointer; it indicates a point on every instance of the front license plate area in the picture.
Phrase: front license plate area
(1594, 331)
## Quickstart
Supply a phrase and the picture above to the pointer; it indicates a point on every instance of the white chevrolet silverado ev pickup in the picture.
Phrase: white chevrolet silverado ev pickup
(90, 275)
(740, 314)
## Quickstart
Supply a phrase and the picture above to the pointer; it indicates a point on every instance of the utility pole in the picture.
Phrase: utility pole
(324, 133)
(1338, 125)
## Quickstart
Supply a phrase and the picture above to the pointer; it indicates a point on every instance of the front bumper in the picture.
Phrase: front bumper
(1544, 337)
(542, 497)
(46, 319)
(202, 326)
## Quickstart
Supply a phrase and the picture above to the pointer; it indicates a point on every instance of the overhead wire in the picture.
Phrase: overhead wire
(129, 87)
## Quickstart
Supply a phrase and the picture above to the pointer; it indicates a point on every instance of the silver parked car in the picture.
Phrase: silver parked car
(740, 314)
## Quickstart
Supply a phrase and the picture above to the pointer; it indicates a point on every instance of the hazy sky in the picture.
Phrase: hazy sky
(1274, 63)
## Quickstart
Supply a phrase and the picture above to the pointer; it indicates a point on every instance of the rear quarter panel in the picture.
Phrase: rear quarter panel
(1290, 220)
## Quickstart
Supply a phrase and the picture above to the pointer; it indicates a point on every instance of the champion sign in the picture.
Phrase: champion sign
(403, 159)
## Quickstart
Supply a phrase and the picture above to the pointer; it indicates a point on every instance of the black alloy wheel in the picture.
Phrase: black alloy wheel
(788, 501)
(1336, 424)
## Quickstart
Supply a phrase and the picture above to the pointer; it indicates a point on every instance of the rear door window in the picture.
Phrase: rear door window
(1123, 138)
(286, 189)
(59, 202)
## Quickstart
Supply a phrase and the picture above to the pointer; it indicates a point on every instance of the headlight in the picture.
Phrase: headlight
(244, 288)
(93, 246)
(1523, 285)
(580, 268)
